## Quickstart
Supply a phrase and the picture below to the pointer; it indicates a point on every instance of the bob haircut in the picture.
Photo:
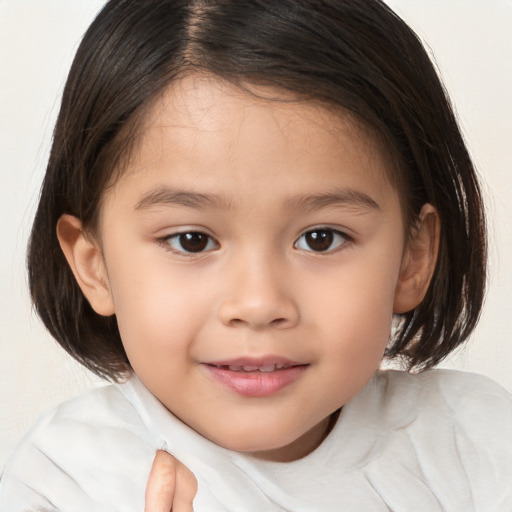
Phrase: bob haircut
(358, 56)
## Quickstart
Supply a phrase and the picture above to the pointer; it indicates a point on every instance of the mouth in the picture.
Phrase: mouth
(256, 377)
(268, 368)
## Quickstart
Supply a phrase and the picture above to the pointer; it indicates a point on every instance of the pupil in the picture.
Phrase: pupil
(193, 242)
(320, 240)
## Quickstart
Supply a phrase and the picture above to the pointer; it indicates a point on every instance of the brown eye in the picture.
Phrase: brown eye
(192, 242)
(321, 240)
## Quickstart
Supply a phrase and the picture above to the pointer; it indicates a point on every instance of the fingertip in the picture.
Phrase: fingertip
(160, 489)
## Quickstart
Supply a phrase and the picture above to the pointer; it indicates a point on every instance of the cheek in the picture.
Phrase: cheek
(359, 295)
(356, 314)
(358, 337)
(359, 333)
(155, 309)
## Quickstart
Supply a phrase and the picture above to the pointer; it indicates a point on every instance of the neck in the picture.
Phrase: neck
(302, 446)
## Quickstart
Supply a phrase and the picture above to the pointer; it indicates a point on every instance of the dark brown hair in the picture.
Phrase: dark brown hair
(357, 55)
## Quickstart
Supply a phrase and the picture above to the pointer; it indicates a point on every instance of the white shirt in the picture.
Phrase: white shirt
(438, 441)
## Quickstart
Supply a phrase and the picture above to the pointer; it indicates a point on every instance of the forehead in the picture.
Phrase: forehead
(207, 128)
(205, 103)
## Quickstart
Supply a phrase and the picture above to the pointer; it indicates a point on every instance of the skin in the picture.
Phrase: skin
(170, 486)
(268, 173)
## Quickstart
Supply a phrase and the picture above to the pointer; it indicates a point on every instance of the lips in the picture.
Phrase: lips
(257, 362)
(256, 377)
(255, 368)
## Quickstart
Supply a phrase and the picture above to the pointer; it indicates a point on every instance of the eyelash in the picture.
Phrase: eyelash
(205, 243)
(200, 238)
(325, 236)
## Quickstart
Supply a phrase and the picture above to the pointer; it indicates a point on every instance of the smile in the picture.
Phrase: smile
(256, 378)
(249, 368)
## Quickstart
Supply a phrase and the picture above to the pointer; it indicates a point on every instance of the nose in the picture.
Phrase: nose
(260, 296)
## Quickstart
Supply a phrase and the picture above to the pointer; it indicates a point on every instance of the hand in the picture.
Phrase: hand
(171, 485)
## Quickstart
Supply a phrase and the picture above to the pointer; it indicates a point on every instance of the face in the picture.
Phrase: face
(252, 251)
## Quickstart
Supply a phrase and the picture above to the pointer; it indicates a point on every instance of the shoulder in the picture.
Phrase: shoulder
(468, 401)
(102, 416)
(441, 377)
(426, 426)
(78, 454)
(449, 389)
(442, 422)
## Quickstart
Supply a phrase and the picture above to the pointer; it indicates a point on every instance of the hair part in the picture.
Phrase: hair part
(357, 56)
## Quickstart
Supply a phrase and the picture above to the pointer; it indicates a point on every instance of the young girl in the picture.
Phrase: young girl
(247, 205)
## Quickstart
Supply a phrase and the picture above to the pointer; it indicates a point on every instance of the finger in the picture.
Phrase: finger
(186, 489)
(161, 483)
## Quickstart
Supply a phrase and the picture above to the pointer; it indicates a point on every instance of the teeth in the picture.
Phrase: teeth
(264, 369)
(250, 368)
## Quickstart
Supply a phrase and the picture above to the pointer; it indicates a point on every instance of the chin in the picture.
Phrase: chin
(252, 445)
(273, 447)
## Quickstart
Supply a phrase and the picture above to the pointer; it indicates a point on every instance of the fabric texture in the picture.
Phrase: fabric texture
(438, 441)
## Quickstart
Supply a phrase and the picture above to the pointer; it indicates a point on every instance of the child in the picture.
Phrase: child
(241, 199)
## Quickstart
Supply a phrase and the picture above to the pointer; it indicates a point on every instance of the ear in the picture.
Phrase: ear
(85, 258)
(419, 261)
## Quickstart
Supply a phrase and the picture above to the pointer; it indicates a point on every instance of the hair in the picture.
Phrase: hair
(356, 55)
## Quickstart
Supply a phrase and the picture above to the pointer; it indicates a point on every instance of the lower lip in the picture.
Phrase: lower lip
(256, 384)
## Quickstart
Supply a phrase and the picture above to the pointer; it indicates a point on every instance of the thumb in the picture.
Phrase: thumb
(161, 484)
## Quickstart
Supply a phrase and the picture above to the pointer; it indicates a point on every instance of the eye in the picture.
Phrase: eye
(191, 242)
(321, 240)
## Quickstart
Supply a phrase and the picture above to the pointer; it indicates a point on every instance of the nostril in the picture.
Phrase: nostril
(258, 314)
(277, 322)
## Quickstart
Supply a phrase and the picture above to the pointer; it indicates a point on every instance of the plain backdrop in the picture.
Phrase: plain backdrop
(472, 44)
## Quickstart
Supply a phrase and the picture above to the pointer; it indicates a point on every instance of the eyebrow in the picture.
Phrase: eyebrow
(338, 197)
(168, 196)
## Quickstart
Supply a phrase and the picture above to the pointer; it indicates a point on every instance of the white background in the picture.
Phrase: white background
(472, 43)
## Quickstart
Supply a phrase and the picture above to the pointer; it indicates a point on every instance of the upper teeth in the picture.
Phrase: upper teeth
(266, 368)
